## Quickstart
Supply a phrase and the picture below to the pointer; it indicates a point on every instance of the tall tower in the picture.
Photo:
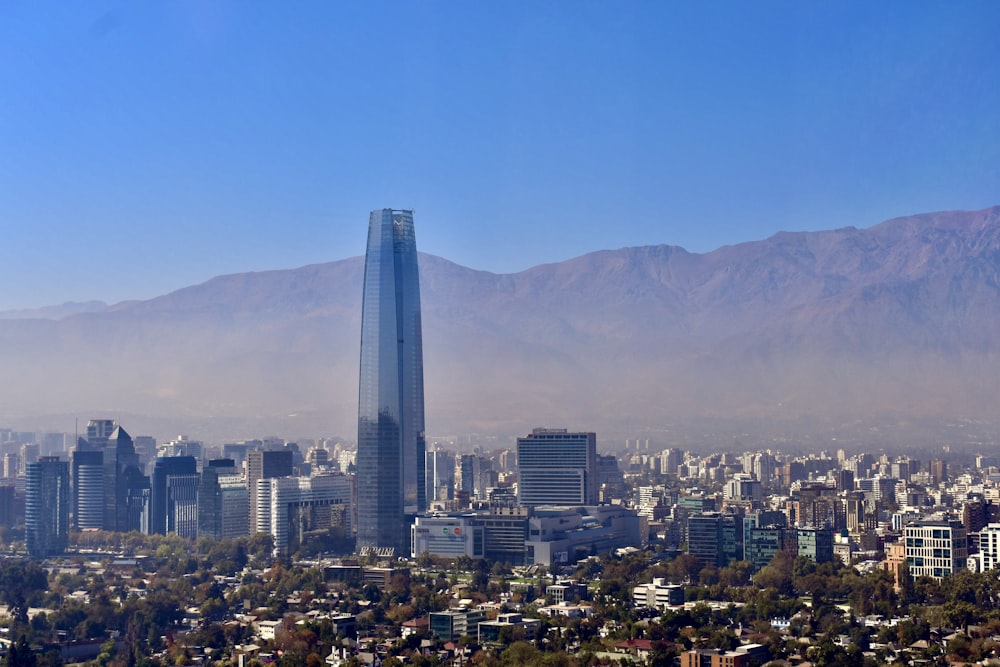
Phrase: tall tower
(391, 464)
(46, 506)
(126, 489)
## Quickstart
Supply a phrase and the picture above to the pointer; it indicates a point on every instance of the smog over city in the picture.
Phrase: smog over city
(508, 334)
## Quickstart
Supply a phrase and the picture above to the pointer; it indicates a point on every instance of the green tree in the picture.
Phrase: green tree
(21, 582)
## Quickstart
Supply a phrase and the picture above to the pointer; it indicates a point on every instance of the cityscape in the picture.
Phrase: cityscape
(671, 339)
(547, 551)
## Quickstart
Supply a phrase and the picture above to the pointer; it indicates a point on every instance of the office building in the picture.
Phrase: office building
(265, 464)
(223, 502)
(448, 535)
(658, 594)
(391, 446)
(126, 488)
(988, 557)
(743, 488)
(11, 465)
(8, 515)
(507, 628)
(816, 544)
(88, 488)
(440, 472)
(558, 535)
(936, 548)
(46, 507)
(705, 539)
(556, 467)
(98, 432)
(291, 507)
(451, 624)
(174, 506)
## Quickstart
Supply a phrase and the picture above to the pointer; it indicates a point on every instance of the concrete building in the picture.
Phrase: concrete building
(265, 464)
(568, 534)
(935, 548)
(448, 535)
(658, 594)
(508, 628)
(290, 507)
(557, 467)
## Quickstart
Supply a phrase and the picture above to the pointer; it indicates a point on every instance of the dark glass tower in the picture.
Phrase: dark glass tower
(391, 397)
(46, 506)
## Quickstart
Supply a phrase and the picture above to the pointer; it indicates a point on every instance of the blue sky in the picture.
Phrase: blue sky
(146, 146)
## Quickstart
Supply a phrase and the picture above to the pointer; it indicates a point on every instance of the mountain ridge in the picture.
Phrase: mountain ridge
(893, 319)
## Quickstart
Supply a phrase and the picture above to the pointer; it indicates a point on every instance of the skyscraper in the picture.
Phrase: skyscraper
(88, 488)
(46, 506)
(126, 489)
(174, 504)
(391, 464)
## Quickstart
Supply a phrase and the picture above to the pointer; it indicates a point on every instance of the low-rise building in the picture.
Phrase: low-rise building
(508, 628)
(658, 594)
(454, 623)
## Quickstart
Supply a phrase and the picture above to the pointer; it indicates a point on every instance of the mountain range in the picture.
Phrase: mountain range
(894, 323)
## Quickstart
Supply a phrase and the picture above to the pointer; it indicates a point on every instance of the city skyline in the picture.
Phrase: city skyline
(193, 141)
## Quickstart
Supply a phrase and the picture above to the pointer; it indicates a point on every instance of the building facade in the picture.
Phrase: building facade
(46, 507)
(174, 506)
(290, 507)
(936, 548)
(391, 445)
(88, 488)
(265, 464)
(557, 467)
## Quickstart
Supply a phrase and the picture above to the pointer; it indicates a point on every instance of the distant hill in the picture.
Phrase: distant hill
(53, 312)
(900, 320)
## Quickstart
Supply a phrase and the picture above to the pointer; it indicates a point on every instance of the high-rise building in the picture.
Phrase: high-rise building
(99, 430)
(46, 507)
(174, 505)
(223, 502)
(391, 479)
(556, 467)
(265, 464)
(440, 472)
(291, 507)
(126, 488)
(211, 520)
(88, 488)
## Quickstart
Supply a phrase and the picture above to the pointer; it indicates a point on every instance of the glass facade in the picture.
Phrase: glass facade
(46, 507)
(391, 451)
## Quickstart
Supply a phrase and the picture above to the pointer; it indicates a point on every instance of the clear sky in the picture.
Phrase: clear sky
(147, 146)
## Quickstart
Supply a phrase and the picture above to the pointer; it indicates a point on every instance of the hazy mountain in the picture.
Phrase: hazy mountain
(898, 321)
(53, 312)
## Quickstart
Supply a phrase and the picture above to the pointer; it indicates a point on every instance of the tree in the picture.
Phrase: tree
(777, 574)
(21, 582)
(21, 655)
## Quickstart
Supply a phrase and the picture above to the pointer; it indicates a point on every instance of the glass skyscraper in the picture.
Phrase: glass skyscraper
(391, 482)
(46, 506)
